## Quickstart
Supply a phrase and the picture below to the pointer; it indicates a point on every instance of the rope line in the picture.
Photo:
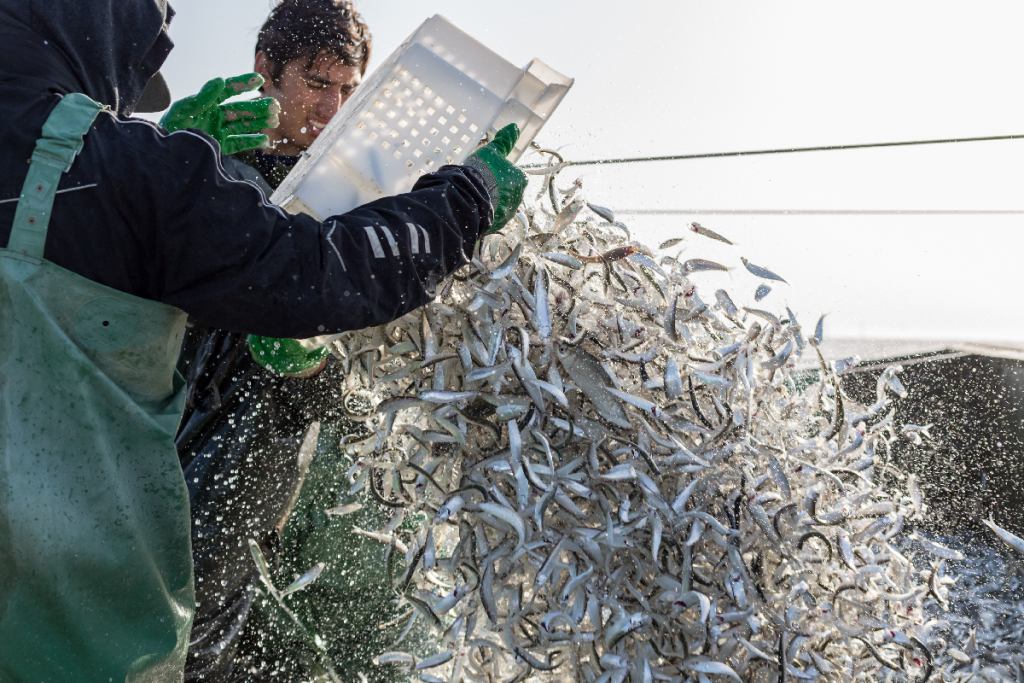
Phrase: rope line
(819, 212)
(784, 150)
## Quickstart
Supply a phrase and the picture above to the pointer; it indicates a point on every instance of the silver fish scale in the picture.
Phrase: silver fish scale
(623, 527)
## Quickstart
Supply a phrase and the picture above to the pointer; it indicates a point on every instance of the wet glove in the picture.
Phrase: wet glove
(235, 126)
(287, 356)
(509, 182)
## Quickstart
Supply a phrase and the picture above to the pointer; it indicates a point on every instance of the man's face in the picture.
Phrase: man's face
(309, 99)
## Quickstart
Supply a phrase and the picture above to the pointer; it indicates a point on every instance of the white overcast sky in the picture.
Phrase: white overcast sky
(680, 77)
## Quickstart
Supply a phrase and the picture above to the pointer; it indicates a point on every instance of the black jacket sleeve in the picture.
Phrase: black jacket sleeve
(278, 275)
(165, 222)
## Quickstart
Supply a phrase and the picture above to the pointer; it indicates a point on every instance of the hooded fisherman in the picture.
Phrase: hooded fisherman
(115, 232)
(253, 403)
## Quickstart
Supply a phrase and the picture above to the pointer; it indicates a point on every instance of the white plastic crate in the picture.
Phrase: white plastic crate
(431, 103)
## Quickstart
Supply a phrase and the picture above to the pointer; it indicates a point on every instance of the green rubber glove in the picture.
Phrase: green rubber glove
(511, 182)
(235, 126)
(286, 356)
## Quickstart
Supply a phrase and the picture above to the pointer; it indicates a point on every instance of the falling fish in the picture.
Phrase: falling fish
(304, 580)
(261, 561)
(819, 332)
(593, 475)
(601, 211)
(343, 510)
(568, 215)
(696, 265)
(766, 315)
(564, 260)
(616, 254)
(1007, 538)
(673, 380)
(710, 667)
(937, 549)
(762, 292)
(711, 380)
(777, 361)
(760, 272)
(728, 307)
(701, 230)
(506, 268)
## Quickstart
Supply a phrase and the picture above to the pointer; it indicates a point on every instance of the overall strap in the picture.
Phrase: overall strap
(63, 138)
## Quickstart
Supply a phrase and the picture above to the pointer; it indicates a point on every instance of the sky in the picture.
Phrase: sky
(662, 77)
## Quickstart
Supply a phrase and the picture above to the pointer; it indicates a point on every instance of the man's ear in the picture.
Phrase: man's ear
(262, 67)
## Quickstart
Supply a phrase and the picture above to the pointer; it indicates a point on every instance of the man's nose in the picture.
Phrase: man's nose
(329, 103)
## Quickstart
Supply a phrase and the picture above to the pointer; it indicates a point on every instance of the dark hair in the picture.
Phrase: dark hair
(299, 29)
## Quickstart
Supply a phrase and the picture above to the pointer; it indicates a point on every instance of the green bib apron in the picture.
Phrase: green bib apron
(95, 556)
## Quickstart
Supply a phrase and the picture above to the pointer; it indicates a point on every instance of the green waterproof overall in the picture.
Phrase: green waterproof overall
(95, 557)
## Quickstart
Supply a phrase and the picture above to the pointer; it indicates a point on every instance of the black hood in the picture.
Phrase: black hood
(106, 49)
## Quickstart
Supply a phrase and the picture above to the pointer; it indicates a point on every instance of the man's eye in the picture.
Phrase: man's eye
(313, 85)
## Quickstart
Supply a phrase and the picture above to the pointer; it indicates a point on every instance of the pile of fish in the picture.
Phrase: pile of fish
(612, 474)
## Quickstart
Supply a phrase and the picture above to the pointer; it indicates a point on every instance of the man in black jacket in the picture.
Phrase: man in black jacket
(153, 216)
(245, 424)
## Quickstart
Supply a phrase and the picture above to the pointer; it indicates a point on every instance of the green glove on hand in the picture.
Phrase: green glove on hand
(511, 182)
(286, 356)
(235, 126)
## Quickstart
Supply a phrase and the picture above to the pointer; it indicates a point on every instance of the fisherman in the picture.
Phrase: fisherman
(118, 231)
(253, 402)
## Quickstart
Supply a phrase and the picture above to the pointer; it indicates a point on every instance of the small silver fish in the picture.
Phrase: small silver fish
(1009, 539)
(701, 230)
(509, 265)
(844, 364)
(261, 562)
(568, 215)
(510, 411)
(447, 396)
(673, 380)
(711, 380)
(343, 510)
(670, 320)
(819, 332)
(648, 407)
(564, 260)
(601, 211)
(394, 658)
(696, 265)
(487, 373)
(399, 403)
(434, 661)
(542, 311)
(304, 580)
(404, 347)
(937, 549)
(760, 272)
(449, 509)
(728, 307)
(770, 317)
(712, 667)
(780, 358)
